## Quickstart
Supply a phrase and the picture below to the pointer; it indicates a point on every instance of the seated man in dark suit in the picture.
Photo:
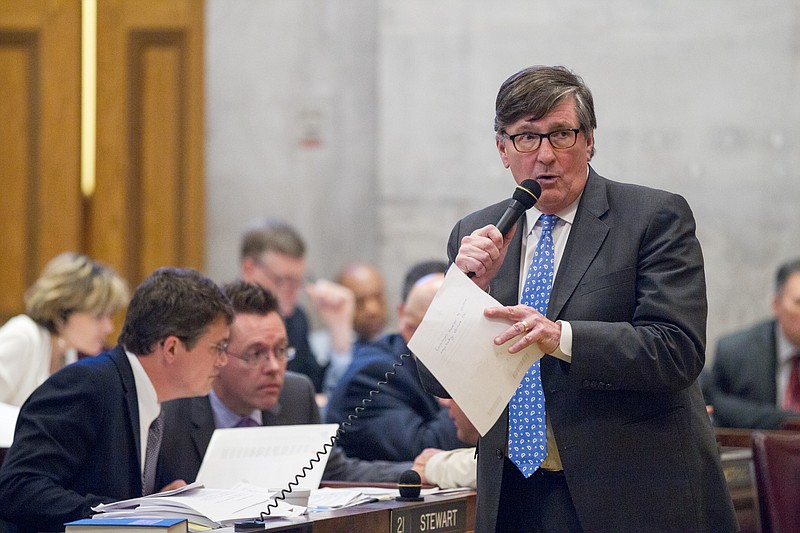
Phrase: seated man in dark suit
(754, 380)
(82, 436)
(403, 419)
(254, 389)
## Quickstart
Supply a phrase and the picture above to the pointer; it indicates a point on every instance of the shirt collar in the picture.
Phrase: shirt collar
(567, 215)
(145, 392)
(224, 417)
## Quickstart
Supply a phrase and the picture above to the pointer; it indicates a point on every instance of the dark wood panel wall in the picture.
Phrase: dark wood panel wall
(147, 208)
(40, 202)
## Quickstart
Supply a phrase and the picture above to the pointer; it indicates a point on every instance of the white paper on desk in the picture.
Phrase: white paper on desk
(8, 420)
(203, 506)
(455, 342)
(266, 456)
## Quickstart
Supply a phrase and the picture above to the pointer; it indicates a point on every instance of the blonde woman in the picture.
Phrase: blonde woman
(67, 310)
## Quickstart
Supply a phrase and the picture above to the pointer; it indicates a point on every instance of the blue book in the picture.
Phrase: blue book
(129, 525)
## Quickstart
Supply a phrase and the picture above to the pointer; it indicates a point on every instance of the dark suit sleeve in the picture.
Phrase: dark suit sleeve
(304, 361)
(429, 382)
(56, 430)
(343, 468)
(638, 316)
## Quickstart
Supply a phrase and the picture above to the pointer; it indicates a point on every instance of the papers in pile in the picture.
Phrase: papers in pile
(202, 506)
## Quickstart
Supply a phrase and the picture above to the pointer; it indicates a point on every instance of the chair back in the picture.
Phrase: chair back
(776, 460)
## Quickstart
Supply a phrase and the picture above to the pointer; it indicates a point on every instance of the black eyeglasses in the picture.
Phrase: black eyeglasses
(530, 142)
(255, 357)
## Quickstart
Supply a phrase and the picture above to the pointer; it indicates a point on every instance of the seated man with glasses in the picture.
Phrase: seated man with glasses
(273, 255)
(254, 389)
(90, 433)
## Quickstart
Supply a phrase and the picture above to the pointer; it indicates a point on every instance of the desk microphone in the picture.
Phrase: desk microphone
(409, 485)
(525, 196)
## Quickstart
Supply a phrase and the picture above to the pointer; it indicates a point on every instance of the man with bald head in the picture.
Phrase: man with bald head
(369, 318)
(403, 419)
(370, 315)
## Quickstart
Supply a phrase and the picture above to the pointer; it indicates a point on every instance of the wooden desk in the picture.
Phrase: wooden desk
(384, 517)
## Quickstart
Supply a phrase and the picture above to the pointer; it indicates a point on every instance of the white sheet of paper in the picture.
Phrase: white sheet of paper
(8, 421)
(456, 343)
(267, 456)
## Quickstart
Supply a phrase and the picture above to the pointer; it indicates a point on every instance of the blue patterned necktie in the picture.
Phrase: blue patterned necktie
(527, 437)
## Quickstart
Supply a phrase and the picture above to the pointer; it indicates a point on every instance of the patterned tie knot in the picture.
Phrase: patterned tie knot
(548, 221)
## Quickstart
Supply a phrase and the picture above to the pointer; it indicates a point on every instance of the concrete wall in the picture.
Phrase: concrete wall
(368, 124)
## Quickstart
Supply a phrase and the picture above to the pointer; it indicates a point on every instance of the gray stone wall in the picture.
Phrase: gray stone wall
(368, 124)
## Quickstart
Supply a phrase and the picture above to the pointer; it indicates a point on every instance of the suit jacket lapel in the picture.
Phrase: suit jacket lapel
(120, 359)
(586, 236)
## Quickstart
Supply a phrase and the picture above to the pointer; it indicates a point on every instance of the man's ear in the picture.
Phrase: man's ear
(501, 147)
(247, 267)
(170, 347)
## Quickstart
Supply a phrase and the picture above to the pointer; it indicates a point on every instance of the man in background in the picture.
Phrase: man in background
(274, 255)
(366, 282)
(754, 382)
(369, 318)
(402, 419)
(90, 433)
(254, 389)
(450, 469)
(418, 271)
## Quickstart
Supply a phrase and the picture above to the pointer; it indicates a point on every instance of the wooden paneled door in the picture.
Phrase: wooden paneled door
(40, 199)
(147, 208)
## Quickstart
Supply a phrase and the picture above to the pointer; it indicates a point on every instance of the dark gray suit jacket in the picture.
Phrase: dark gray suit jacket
(76, 445)
(742, 382)
(189, 424)
(629, 419)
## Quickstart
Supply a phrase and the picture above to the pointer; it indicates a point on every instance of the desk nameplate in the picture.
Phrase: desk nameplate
(434, 517)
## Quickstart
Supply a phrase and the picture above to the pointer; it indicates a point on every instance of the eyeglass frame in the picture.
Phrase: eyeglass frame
(257, 356)
(542, 136)
(220, 348)
(280, 282)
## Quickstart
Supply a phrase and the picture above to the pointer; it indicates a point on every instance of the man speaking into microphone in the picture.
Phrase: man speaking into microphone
(609, 431)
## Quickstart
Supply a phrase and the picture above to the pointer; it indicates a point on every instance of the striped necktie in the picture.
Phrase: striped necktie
(151, 455)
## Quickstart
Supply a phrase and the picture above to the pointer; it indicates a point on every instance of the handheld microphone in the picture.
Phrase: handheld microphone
(525, 196)
(409, 485)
